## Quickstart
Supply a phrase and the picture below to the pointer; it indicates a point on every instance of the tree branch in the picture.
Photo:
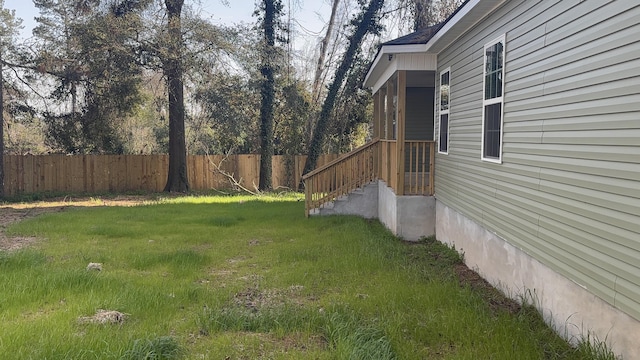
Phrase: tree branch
(235, 184)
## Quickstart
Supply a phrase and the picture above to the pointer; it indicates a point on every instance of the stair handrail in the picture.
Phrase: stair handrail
(340, 158)
(317, 194)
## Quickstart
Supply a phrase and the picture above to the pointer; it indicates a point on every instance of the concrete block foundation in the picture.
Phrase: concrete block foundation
(408, 217)
(569, 308)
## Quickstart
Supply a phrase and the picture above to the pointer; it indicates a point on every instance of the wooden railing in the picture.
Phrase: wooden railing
(378, 159)
(389, 163)
(419, 165)
(341, 176)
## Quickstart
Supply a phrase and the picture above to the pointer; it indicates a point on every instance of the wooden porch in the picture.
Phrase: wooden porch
(400, 158)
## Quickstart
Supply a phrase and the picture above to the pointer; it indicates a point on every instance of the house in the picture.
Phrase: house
(512, 132)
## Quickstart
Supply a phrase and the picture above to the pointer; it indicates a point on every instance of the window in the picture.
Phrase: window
(443, 129)
(493, 100)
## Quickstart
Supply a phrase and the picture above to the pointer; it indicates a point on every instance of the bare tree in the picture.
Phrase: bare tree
(421, 14)
(424, 13)
(366, 22)
(323, 51)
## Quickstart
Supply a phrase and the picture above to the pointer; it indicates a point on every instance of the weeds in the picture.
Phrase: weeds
(247, 277)
(353, 338)
(590, 347)
(157, 348)
(348, 336)
(21, 260)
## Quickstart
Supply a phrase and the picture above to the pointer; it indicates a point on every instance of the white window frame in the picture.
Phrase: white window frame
(442, 112)
(493, 101)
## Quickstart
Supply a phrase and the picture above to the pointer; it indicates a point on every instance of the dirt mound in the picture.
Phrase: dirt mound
(104, 317)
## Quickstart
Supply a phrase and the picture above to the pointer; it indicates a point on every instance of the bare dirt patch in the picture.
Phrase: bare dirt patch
(494, 298)
(12, 213)
(254, 299)
(436, 254)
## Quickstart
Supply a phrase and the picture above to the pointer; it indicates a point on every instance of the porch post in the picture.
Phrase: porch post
(388, 132)
(378, 130)
(389, 112)
(400, 130)
(376, 114)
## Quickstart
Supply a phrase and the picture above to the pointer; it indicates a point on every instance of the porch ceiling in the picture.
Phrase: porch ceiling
(415, 63)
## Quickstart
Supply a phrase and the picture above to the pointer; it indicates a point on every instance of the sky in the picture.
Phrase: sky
(311, 15)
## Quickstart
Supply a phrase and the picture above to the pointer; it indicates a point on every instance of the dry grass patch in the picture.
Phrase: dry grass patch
(104, 317)
(14, 212)
(255, 299)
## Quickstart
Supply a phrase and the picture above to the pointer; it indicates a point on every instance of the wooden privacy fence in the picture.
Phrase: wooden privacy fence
(29, 174)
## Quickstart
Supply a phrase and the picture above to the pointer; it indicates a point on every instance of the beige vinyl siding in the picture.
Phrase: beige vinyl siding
(568, 191)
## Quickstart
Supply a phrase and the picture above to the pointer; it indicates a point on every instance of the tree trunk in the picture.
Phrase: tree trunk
(367, 22)
(323, 52)
(422, 14)
(268, 94)
(177, 180)
(318, 78)
(1, 131)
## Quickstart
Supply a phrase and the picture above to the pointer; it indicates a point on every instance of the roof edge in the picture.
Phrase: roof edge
(452, 20)
(464, 10)
(385, 48)
(391, 50)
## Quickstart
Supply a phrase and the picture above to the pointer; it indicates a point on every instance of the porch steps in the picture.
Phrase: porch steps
(362, 201)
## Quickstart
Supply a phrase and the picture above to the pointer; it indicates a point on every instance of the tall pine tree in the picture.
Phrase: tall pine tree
(272, 11)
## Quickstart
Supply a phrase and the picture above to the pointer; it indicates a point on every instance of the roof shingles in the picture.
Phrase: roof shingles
(422, 36)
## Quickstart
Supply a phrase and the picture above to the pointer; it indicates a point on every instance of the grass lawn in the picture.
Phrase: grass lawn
(248, 278)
